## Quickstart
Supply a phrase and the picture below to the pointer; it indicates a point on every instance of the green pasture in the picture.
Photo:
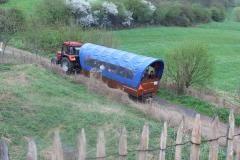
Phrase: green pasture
(223, 40)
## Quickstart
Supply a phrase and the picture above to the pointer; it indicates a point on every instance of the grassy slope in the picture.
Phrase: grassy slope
(223, 40)
(34, 101)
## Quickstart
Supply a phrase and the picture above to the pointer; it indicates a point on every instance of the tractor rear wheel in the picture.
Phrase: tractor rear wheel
(66, 65)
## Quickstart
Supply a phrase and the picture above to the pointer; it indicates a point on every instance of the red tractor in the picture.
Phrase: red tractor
(68, 57)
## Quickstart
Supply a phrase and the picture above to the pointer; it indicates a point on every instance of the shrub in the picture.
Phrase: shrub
(236, 13)
(179, 15)
(218, 13)
(160, 13)
(53, 12)
(142, 10)
(201, 14)
(189, 65)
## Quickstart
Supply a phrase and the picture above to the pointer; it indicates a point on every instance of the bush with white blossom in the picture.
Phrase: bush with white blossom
(126, 13)
(82, 11)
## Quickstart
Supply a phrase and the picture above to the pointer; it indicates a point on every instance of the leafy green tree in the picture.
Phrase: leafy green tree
(189, 65)
(53, 12)
(201, 13)
(11, 21)
(218, 13)
(161, 11)
(141, 9)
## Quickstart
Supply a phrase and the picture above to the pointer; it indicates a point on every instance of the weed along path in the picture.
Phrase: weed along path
(181, 109)
(187, 112)
(160, 109)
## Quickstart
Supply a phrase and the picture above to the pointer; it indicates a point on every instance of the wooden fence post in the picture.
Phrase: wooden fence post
(238, 148)
(32, 150)
(101, 154)
(123, 145)
(82, 145)
(142, 155)
(196, 139)
(213, 151)
(230, 136)
(163, 142)
(57, 147)
(3, 150)
(178, 152)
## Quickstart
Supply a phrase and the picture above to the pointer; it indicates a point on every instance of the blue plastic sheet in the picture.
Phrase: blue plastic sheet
(124, 67)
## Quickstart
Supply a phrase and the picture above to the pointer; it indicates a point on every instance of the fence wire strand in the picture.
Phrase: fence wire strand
(167, 147)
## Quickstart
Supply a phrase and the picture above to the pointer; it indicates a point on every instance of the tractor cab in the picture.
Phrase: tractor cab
(68, 57)
(71, 48)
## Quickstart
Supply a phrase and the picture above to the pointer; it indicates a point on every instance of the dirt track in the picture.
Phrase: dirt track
(161, 109)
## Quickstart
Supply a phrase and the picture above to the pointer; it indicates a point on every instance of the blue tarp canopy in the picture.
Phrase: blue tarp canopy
(124, 67)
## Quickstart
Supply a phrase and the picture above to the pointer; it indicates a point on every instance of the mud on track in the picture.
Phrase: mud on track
(159, 109)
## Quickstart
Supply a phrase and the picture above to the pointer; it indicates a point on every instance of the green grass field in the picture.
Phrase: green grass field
(223, 40)
(34, 102)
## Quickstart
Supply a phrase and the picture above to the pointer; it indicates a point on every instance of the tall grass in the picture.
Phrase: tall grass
(47, 40)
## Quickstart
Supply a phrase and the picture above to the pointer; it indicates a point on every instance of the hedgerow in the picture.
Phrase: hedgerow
(127, 13)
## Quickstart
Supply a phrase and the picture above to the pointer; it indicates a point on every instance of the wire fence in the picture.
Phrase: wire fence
(142, 151)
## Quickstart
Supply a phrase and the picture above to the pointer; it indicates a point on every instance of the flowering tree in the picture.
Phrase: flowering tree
(127, 22)
(110, 8)
(82, 11)
(108, 14)
(151, 6)
(115, 14)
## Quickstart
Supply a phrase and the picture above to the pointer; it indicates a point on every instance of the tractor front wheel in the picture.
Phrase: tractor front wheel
(66, 65)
